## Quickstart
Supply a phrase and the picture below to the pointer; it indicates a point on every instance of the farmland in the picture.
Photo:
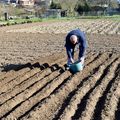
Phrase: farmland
(34, 84)
(89, 26)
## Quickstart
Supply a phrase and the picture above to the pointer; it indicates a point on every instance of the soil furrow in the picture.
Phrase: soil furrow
(110, 28)
(117, 112)
(28, 93)
(39, 81)
(21, 87)
(112, 99)
(91, 99)
(10, 76)
(21, 108)
(41, 94)
(57, 97)
(100, 104)
(103, 27)
(96, 30)
(4, 74)
(91, 82)
(18, 80)
(92, 25)
(115, 29)
(96, 26)
(92, 59)
(18, 89)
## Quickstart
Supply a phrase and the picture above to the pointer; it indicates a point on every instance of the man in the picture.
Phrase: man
(73, 38)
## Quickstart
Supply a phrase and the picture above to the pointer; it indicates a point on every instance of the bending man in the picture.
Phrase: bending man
(73, 38)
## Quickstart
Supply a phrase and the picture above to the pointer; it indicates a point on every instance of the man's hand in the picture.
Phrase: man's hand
(71, 59)
(82, 60)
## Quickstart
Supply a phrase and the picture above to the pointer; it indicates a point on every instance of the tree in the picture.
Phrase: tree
(54, 5)
(82, 7)
(79, 8)
(86, 7)
(68, 5)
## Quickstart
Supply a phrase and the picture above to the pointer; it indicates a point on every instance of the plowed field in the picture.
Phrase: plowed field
(34, 84)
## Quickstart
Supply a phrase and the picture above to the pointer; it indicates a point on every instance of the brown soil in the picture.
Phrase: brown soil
(34, 84)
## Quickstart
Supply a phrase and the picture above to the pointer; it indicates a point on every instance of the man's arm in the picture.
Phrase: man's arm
(82, 50)
(69, 53)
(83, 46)
(69, 48)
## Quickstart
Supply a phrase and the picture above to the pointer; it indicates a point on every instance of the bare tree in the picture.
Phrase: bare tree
(69, 5)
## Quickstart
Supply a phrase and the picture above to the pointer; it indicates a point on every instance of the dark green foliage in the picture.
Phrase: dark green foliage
(55, 5)
(86, 7)
(80, 8)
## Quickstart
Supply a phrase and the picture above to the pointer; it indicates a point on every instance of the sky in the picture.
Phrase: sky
(118, 1)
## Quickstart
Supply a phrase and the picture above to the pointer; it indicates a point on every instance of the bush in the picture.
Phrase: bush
(29, 21)
(8, 24)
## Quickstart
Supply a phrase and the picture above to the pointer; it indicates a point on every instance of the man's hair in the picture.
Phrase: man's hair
(73, 38)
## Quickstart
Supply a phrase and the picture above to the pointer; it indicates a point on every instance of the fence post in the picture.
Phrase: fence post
(6, 16)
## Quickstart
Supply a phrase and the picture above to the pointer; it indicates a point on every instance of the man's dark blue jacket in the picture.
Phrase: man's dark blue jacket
(81, 41)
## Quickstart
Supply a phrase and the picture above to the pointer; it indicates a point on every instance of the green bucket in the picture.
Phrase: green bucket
(76, 67)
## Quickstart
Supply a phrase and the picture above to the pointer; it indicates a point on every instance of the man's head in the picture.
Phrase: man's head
(73, 39)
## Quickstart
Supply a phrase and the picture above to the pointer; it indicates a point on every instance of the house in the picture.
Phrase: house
(5, 1)
(9, 1)
(14, 1)
(26, 2)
